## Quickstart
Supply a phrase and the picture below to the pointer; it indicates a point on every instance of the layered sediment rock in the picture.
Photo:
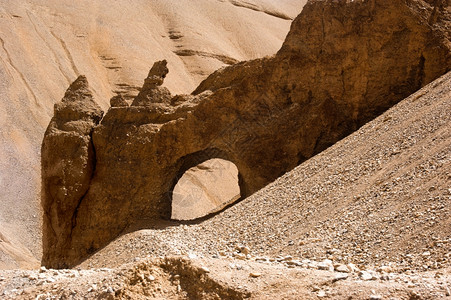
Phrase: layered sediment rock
(342, 64)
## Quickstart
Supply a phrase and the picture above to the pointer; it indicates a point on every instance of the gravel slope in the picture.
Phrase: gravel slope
(379, 197)
(369, 218)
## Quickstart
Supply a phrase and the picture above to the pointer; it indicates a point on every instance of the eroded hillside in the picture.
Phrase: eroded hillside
(45, 45)
(367, 218)
(342, 64)
(378, 197)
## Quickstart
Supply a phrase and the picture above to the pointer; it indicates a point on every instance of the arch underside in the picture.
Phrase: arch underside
(204, 189)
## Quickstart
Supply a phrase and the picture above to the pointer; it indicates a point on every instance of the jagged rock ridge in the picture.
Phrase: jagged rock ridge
(341, 65)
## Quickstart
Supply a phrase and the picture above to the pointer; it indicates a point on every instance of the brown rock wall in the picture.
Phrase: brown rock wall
(343, 63)
(68, 164)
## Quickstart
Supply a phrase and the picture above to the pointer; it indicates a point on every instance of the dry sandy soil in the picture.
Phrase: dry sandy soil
(46, 44)
(368, 218)
(212, 278)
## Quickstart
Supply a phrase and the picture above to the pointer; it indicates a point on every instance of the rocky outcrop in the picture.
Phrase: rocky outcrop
(342, 64)
(68, 164)
(152, 91)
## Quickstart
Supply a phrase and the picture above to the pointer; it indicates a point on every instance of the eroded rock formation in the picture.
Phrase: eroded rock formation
(343, 63)
(205, 189)
(68, 165)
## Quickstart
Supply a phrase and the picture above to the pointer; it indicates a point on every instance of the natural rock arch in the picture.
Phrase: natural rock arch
(341, 65)
(191, 160)
(206, 183)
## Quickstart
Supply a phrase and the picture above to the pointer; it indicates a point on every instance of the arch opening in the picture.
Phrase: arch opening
(204, 189)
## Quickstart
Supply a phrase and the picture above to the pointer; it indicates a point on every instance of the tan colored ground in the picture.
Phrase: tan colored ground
(369, 218)
(379, 197)
(375, 206)
(213, 278)
(45, 45)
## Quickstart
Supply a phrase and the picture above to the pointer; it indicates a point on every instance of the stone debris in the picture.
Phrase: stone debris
(353, 268)
(447, 291)
(342, 269)
(255, 274)
(106, 283)
(270, 120)
(351, 235)
(340, 276)
(326, 265)
(367, 275)
(239, 256)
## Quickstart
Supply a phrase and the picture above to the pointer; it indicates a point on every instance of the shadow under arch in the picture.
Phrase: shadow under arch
(196, 158)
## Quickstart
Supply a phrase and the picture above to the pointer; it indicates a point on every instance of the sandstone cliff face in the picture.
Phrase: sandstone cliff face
(341, 65)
